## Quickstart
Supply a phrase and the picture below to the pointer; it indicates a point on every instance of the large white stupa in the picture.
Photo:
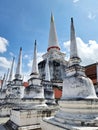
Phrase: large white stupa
(76, 84)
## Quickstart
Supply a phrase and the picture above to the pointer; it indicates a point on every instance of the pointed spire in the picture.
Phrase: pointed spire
(52, 18)
(34, 65)
(73, 44)
(53, 40)
(7, 74)
(19, 65)
(97, 71)
(11, 71)
(3, 82)
(47, 76)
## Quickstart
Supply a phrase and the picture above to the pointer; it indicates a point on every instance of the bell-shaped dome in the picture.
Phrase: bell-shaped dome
(78, 87)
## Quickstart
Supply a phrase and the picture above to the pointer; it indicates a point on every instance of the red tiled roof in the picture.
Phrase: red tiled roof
(25, 84)
(90, 71)
(57, 93)
(1, 81)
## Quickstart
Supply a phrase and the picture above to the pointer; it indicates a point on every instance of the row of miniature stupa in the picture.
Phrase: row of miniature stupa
(10, 87)
(14, 88)
(79, 103)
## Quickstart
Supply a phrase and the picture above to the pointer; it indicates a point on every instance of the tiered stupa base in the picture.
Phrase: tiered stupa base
(12, 126)
(75, 114)
(29, 113)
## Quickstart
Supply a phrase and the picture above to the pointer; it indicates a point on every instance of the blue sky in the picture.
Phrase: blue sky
(23, 21)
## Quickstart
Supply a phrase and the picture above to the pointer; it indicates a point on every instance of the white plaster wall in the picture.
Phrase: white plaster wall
(78, 87)
(35, 92)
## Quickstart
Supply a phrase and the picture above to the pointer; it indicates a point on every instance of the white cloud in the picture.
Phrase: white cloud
(12, 54)
(26, 56)
(91, 16)
(3, 44)
(75, 1)
(30, 63)
(4, 63)
(87, 51)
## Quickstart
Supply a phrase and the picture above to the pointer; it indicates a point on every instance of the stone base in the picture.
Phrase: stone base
(78, 111)
(32, 127)
(25, 117)
(52, 124)
(5, 109)
(28, 117)
(50, 102)
(12, 126)
(74, 114)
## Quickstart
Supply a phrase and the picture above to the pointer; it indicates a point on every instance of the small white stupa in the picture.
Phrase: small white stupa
(35, 90)
(48, 86)
(11, 71)
(3, 88)
(10, 80)
(17, 83)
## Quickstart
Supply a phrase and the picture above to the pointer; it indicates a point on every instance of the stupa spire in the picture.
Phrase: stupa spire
(97, 71)
(19, 65)
(11, 71)
(3, 82)
(47, 76)
(34, 65)
(7, 75)
(74, 58)
(53, 40)
(73, 44)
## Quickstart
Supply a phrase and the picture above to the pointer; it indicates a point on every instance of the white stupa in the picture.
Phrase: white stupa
(48, 86)
(11, 71)
(53, 50)
(76, 84)
(53, 40)
(35, 90)
(17, 85)
(10, 80)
